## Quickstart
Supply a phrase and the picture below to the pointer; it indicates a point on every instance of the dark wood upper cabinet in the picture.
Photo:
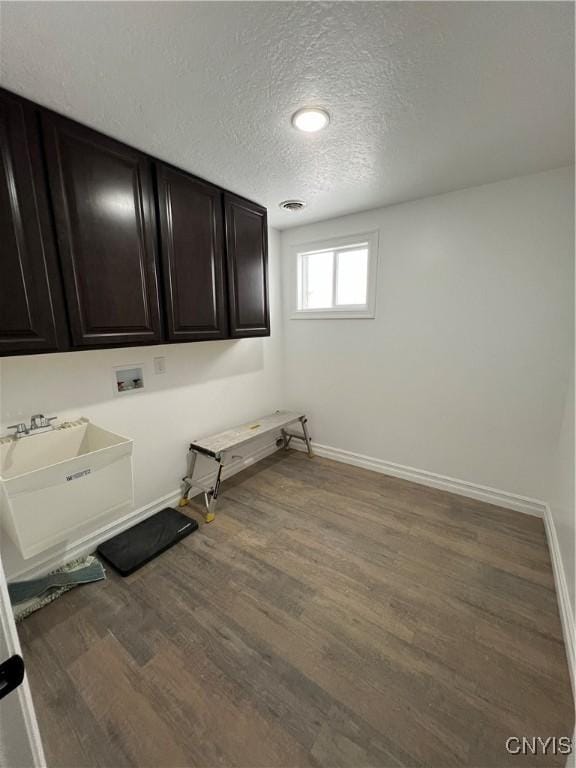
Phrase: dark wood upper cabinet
(102, 246)
(247, 257)
(192, 254)
(102, 195)
(32, 315)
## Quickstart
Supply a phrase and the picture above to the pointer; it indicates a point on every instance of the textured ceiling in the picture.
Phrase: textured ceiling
(424, 97)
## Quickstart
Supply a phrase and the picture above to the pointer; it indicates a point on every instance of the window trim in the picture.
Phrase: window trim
(342, 312)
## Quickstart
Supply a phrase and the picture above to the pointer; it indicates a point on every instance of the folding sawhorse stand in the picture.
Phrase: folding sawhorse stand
(216, 447)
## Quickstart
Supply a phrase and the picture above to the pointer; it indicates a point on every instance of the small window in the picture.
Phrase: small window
(336, 278)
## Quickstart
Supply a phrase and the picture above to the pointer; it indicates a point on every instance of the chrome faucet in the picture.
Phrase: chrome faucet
(38, 423)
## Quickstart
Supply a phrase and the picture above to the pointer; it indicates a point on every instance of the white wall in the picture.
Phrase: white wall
(208, 386)
(561, 494)
(464, 369)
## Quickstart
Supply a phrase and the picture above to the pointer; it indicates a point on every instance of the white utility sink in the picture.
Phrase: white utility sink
(55, 483)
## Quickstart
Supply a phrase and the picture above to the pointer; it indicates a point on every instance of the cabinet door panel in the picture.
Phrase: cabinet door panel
(103, 204)
(192, 249)
(31, 311)
(247, 256)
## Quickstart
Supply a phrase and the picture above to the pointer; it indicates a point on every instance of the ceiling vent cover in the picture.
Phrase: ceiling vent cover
(293, 205)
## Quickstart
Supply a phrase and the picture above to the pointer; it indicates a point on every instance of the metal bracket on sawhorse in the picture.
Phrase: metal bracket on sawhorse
(305, 437)
(210, 494)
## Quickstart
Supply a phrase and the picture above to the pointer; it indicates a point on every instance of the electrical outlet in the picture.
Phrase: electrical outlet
(159, 365)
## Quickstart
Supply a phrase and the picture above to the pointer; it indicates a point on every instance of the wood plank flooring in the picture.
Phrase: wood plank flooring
(330, 616)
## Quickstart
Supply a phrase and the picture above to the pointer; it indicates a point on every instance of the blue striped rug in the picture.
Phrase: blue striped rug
(28, 596)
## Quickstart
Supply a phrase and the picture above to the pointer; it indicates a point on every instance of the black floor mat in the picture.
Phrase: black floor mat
(135, 547)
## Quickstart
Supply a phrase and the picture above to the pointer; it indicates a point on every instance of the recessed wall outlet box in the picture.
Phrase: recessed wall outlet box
(159, 365)
(128, 378)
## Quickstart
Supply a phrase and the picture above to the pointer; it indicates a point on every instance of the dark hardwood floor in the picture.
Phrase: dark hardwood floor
(330, 616)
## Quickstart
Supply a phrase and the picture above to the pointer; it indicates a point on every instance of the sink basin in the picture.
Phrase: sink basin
(55, 483)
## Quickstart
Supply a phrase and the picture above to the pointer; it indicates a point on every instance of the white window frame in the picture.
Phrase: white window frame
(343, 312)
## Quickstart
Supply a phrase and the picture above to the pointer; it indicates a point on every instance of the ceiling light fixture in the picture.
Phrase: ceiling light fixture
(310, 119)
(292, 205)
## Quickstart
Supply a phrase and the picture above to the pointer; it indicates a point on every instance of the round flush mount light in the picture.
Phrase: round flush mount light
(292, 205)
(310, 119)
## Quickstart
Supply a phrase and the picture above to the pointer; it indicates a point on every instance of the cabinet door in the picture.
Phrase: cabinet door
(192, 248)
(32, 317)
(247, 257)
(105, 222)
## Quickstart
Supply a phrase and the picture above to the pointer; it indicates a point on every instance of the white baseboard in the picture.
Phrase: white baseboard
(88, 544)
(432, 480)
(562, 595)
